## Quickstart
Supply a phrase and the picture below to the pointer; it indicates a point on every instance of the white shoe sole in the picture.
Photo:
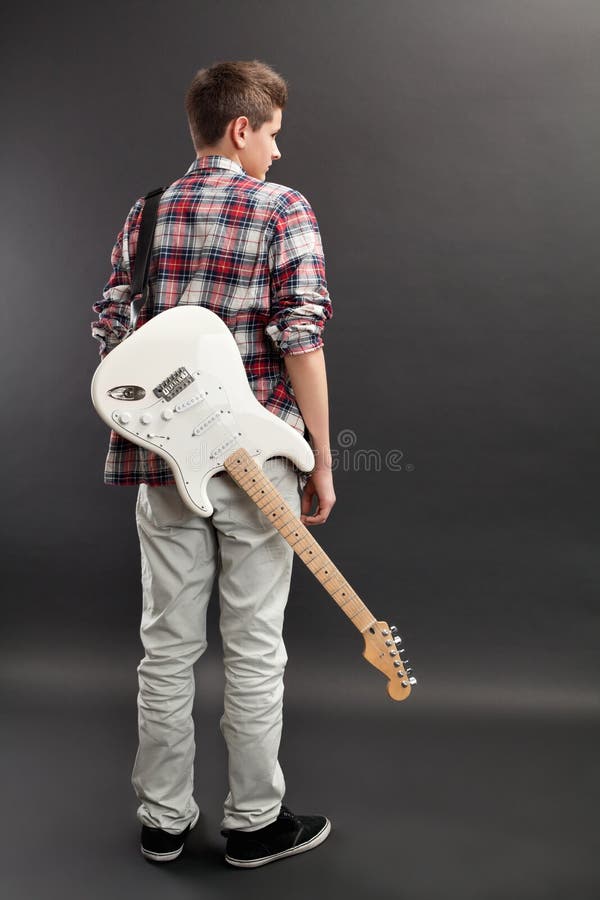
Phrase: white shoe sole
(173, 854)
(301, 848)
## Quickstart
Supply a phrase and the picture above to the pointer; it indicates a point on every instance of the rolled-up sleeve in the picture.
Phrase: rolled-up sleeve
(113, 309)
(300, 301)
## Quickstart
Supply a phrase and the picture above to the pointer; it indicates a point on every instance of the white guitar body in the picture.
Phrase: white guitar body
(178, 387)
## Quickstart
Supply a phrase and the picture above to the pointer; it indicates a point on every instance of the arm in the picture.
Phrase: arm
(113, 309)
(309, 381)
(300, 306)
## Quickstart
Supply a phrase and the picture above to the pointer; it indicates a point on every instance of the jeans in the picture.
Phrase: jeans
(181, 554)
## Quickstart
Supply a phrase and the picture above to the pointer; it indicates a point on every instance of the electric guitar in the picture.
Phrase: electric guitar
(178, 387)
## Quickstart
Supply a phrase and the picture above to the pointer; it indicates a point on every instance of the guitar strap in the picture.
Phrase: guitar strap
(139, 281)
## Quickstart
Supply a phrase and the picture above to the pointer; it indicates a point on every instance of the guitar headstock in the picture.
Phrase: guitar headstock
(384, 650)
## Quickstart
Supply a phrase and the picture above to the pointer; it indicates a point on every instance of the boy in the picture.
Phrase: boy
(255, 253)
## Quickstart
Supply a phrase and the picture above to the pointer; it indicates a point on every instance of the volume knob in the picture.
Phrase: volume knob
(145, 418)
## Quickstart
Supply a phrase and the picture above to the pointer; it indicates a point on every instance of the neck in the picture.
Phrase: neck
(249, 476)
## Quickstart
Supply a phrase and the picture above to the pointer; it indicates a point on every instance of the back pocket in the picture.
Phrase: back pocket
(161, 506)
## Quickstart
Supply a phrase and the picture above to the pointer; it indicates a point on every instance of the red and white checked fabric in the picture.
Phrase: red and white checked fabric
(250, 251)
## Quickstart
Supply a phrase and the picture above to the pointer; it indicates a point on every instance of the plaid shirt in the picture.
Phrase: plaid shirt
(253, 250)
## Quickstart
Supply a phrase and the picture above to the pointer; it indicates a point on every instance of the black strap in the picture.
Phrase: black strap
(139, 281)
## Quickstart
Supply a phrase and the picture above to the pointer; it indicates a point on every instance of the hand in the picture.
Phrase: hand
(320, 487)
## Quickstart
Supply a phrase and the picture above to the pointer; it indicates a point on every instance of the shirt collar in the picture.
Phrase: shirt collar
(215, 161)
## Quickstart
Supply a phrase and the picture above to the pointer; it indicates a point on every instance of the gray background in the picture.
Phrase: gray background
(450, 151)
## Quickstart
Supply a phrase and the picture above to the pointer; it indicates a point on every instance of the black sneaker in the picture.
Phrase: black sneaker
(286, 836)
(161, 846)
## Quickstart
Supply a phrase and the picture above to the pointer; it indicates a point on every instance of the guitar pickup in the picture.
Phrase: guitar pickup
(206, 423)
(186, 404)
(218, 451)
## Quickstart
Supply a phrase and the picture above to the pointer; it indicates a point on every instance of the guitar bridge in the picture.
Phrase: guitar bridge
(174, 384)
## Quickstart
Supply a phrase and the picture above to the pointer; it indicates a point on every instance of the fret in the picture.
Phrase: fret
(343, 598)
(333, 577)
(297, 538)
(317, 553)
(333, 582)
(293, 527)
(269, 504)
(297, 544)
(272, 505)
(326, 573)
(306, 555)
(258, 494)
(250, 477)
(319, 564)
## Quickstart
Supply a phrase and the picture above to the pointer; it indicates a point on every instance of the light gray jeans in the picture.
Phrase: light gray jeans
(181, 553)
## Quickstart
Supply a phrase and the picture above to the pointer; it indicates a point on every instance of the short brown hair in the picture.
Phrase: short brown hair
(227, 90)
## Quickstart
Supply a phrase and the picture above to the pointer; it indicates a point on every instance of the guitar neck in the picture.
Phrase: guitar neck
(250, 477)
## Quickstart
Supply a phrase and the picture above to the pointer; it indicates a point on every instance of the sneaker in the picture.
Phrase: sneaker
(286, 836)
(161, 846)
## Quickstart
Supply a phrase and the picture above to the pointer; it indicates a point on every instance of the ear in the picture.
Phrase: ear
(239, 130)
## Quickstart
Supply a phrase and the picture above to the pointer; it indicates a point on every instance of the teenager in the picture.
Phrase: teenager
(254, 250)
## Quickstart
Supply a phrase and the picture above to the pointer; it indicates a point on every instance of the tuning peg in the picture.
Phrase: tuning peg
(393, 629)
(397, 639)
(412, 679)
(408, 670)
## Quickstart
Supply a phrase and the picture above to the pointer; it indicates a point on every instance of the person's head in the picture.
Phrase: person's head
(234, 109)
